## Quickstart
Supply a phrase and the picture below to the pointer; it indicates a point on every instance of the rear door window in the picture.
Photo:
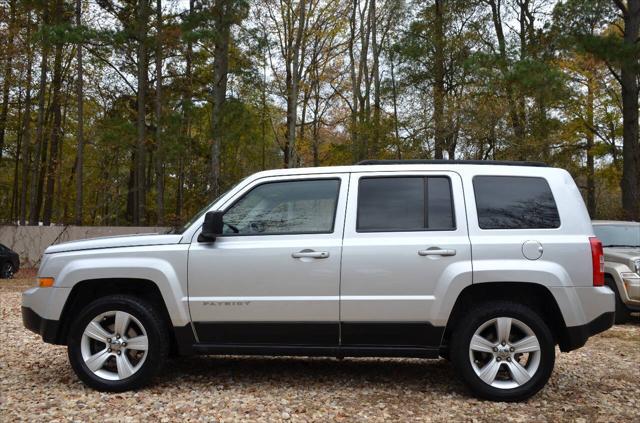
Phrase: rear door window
(515, 202)
(413, 203)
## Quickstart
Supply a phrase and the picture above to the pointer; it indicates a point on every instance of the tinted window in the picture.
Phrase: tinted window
(511, 202)
(618, 235)
(404, 204)
(290, 207)
(439, 206)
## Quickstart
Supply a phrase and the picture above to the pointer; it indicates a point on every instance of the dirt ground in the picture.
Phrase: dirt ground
(600, 382)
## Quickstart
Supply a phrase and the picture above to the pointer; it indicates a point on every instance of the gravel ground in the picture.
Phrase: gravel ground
(600, 382)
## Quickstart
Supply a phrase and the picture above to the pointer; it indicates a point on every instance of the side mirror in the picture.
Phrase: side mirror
(212, 226)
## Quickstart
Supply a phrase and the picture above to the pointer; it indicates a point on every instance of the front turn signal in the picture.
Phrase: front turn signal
(45, 282)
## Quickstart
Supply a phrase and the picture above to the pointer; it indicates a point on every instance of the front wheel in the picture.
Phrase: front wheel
(117, 343)
(504, 351)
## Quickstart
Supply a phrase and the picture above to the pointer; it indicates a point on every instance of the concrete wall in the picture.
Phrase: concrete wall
(31, 241)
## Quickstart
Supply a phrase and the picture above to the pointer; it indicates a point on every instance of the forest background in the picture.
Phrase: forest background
(138, 112)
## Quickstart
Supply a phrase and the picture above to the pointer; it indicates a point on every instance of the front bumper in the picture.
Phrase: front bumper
(576, 336)
(46, 328)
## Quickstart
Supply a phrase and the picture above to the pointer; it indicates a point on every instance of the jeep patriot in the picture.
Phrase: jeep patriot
(487, 264)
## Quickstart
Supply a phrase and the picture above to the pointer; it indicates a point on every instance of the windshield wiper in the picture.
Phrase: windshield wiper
(622, 245)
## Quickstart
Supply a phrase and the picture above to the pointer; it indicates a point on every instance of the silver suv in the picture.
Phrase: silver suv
(487, 264)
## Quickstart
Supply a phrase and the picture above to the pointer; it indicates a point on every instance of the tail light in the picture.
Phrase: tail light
(597, 261)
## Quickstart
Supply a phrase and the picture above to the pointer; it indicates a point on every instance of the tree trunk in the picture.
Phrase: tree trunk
(438, 87)
(263, 100)
(56, 130)
(139, 209)
(7, 74)
(516, 124)
(306, 95)
(159, 149)
(36, 191)
(375, 141)
(316, 118)
(292, 92)
(14, 190)
(630, 183)
(394, 93)
(591, 186)
(355, 84)
(131, 188)
(219, 92)
(365, 97)
(26, 135)
(187, 98)
(80, 135)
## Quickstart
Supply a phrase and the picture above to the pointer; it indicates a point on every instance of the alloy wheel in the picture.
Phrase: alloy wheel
(114, 345)
(504, 353)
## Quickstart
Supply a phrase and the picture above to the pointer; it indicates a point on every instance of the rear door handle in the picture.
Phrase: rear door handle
(311, 254)
(436, 252)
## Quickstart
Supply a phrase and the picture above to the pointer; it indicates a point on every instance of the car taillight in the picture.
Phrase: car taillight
(597, 261)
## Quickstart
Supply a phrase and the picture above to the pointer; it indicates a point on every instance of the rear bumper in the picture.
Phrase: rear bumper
(46, 328)
(576, 336)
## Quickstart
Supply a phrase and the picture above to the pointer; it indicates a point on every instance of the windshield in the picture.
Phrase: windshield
(618, 235)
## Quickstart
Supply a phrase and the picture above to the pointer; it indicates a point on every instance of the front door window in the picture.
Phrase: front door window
(281, 208)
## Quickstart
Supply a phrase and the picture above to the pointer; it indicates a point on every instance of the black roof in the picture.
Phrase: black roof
(450, 162)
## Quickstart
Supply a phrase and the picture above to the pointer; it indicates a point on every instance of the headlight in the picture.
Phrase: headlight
(637, 266)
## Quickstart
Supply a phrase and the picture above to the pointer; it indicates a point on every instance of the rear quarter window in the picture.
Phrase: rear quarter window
(515, 202)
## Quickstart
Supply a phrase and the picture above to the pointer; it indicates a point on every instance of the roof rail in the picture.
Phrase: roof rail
(450, 162)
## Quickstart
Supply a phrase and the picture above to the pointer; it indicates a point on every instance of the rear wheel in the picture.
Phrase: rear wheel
(7, 270)
(623, 315)
(504, 351)
(117, 343)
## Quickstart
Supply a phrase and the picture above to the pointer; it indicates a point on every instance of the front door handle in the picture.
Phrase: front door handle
(311, 254)
(436, 252)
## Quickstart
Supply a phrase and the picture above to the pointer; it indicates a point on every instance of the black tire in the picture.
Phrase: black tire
(7, 270)
(158, 342)
(623, 315)
(477, 316)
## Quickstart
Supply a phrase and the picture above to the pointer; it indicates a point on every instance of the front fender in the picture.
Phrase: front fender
(157, 271)
(165, 266)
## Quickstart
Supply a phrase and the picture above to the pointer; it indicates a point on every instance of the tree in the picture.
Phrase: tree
(131, 109)
(41, 149)
(140, 196)
(617, 46)
(158, 112)
(226, 13)
(7, 75)
(289, 20)
(628, 79)
(56, 129)
(26, 134)
(80, 134)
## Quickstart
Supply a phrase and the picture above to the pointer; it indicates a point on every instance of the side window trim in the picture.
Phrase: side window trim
(271, 181)
(424, 177)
